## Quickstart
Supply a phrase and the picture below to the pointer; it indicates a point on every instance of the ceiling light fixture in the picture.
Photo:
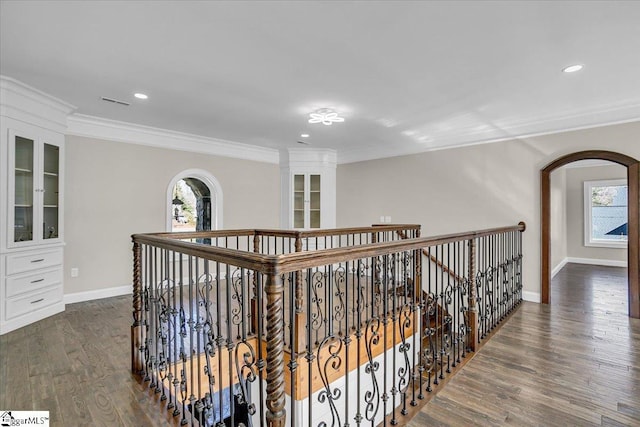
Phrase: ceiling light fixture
(140, 95)
(326, 116)
(304, 135)
(572, 68)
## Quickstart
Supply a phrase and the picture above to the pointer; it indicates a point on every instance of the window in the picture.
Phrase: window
(605, 210)
(194, 202)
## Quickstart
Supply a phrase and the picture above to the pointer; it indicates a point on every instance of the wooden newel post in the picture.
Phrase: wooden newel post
(473, 310)
(276, 414)
(136, 327)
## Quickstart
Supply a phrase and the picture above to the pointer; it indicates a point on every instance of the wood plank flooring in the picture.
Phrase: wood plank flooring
(76, 365)
(575, 362)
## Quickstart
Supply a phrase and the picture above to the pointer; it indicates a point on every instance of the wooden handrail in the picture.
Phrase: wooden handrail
(283, 233)
(435, 260)
(286, 263)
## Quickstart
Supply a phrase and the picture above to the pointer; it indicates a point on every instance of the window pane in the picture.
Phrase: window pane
(609, 212)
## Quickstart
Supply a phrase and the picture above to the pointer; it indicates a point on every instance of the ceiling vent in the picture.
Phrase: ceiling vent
(115, 101)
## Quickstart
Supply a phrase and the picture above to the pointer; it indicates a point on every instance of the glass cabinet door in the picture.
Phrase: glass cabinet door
(314, 201)
(50, 195)
(298, 201)
(306, 201)
(23, 189)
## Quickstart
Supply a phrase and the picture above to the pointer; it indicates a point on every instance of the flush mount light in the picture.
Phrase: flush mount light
(304, 135)
(573, 68)
(140, 95)
(326, 116)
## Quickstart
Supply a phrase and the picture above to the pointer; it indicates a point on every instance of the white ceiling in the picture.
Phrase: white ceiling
(408, 76)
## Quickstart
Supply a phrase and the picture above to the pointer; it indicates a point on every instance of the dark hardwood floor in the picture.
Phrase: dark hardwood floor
(76, 365)
(573, 363)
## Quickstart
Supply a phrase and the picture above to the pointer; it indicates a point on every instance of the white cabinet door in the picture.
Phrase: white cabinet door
(34, 189)
(307, 201)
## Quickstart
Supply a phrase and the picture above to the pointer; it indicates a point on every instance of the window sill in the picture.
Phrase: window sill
(606, 244)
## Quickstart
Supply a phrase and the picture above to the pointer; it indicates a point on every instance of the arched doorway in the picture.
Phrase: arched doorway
(633, 254)
(205, 200)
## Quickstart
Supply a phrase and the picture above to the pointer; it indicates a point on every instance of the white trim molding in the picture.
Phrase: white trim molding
(113, 130)
(29, 318)
(30, 105)
(594, 261)
(531, 296)
(559, 267)
(588, 214)
(98, 294)
(471, 137)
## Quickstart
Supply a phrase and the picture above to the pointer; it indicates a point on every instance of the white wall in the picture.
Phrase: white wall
(575, 212)
(115, 189)
(471, 187)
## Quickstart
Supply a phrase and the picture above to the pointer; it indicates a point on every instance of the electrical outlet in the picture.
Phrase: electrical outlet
(387, 219)
(75, 272)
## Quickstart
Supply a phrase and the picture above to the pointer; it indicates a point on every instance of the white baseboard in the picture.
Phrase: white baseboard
(559, 267)
(531, 296)
(593, 261)
(97, 294)
(28, 318)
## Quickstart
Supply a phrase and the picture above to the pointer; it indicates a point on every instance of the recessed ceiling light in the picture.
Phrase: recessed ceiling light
(572, 68)
(304, 135)
(140, 95)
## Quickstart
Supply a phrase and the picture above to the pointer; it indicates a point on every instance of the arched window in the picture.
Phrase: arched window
(194, 202)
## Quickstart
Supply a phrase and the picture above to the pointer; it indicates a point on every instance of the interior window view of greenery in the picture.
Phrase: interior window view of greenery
(184, 207)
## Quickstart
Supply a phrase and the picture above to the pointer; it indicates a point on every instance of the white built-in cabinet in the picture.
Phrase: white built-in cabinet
(32, 194)
(34, 188)
(307, 200)
(308, 179)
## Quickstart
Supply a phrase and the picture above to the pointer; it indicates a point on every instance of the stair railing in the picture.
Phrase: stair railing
(338, 326)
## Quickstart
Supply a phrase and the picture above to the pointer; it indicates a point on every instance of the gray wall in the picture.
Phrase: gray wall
(471, 187)
(113, 190)
(575, 212)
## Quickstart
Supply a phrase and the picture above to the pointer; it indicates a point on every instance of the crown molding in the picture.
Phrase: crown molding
(112, 130)
(308, 157)
(28, 104)
(524, 129)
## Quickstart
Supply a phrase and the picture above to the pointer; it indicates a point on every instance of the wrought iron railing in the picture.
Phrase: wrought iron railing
(315, 328)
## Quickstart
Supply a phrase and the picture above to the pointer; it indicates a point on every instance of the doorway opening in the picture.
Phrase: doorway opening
(194, 202)
(633, 256)
(191, 206)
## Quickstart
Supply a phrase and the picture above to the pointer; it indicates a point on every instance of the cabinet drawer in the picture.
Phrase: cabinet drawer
(33, 301)
(22, 283)
(28, 261)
